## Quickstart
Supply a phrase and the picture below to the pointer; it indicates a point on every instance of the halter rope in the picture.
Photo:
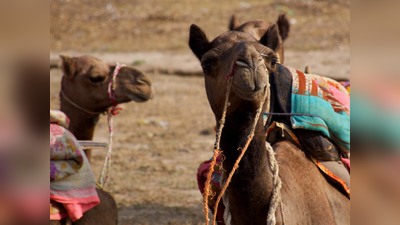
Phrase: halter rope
(76, 105)
(113, 112)
(216, 151)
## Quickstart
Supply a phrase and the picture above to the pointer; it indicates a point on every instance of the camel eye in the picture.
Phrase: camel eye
(97, 79)
(207, 67)
(273, 62)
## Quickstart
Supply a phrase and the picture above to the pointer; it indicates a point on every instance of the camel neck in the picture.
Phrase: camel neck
(82, 124)
(251, 185)
(234, 135)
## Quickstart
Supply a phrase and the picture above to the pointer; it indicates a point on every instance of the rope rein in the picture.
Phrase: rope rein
(277, 184)
(276, 180)
(216, 151)
(244, 149)
(113, 112)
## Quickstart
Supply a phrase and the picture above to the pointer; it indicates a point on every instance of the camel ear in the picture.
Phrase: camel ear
(271, 38)
(198, 41)
(234, 23)
(68, 66)
(284, 26)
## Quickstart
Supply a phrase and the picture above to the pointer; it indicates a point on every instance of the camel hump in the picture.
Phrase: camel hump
(284, 26)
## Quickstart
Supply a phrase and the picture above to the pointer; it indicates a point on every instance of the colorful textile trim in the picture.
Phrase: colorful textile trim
(338, 85)
(215, 185)
(330, 174)
(72, 182)
(346, 84)
(333, 117)
(294, 139)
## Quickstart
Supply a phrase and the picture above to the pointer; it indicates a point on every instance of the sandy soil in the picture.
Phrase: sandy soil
(153, 25)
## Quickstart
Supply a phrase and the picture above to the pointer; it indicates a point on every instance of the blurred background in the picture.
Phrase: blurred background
(143, 25)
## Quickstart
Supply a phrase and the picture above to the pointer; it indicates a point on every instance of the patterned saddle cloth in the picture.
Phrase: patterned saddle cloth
(324, 105)
(72, 182)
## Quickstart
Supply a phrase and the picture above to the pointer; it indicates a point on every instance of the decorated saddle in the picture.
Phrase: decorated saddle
(72, 182)
(314, 113)
(320, 112)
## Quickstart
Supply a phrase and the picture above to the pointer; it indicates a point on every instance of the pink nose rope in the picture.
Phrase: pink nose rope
(113, 112)
(233, 69)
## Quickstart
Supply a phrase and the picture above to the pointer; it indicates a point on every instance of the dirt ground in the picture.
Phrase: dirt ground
(159, 144)
(143, 25)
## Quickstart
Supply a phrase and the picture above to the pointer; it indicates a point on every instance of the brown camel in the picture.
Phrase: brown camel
(85, 83)
(105, 213)
(257, 28)
(307, 197)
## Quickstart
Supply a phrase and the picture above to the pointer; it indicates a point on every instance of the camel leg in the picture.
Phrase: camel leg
(88, 153)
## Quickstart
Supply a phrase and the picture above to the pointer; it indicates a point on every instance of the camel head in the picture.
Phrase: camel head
(248, 60)
(257, 29)
(86, 78)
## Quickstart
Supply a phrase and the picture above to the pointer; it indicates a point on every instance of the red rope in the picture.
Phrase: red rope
(233, 69)
(113, 112)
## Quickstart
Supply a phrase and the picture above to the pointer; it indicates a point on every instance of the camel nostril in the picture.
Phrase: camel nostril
(242, 63)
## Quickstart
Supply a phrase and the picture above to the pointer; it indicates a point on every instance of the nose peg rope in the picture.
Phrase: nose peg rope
(233, 70)
(113, 112)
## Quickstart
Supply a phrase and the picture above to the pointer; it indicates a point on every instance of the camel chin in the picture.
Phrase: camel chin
(248, 95)
(138, 98)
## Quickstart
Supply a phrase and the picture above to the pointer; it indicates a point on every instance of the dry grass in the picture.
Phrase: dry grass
(132, 25)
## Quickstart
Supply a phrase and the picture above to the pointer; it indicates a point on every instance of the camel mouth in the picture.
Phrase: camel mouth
(139, 97)
(139, 93)
(242, 63)
(247, 95)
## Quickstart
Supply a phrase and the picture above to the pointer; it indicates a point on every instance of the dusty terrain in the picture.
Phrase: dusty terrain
(159, 144)
(142, 25)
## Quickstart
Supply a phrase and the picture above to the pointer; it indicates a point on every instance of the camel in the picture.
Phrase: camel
(84, 95)
(83, 98)
(307, 197)
(257, 28)
(105, 213)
